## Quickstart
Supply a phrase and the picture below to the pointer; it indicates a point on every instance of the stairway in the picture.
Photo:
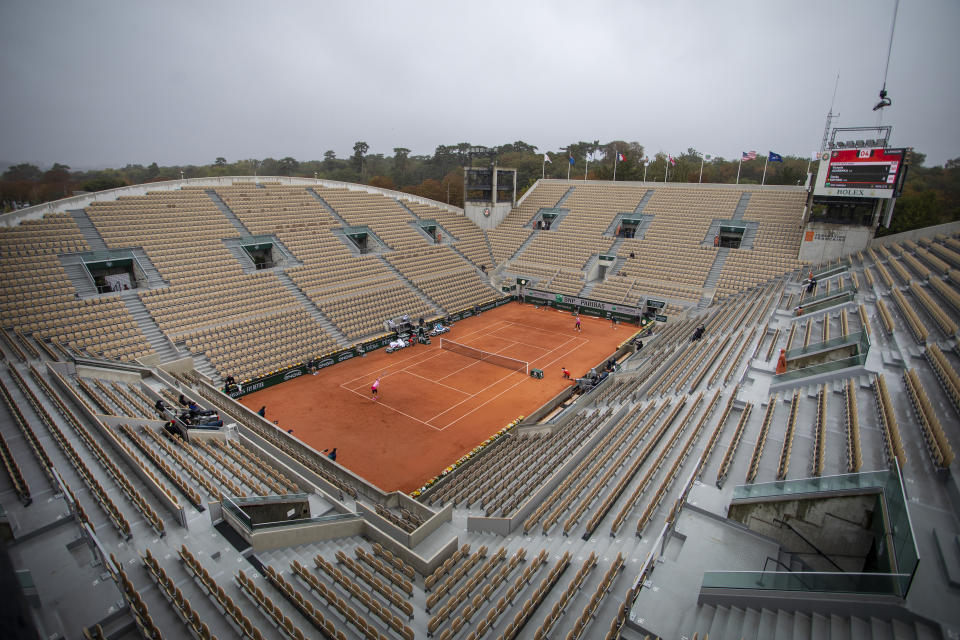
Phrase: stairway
(204, 366)
(741, 206)
(615, 247)
(643, 202)
(565, 196)
(89, 232)
(313, 310)
(486, 239)
(330, 210)
(433, 305)
(523, 246)
(242, 230)
(161, 344)
(720, 622)
(80, 278)
(749, 235)
(154, 279)
(404, 206)
(714, 274)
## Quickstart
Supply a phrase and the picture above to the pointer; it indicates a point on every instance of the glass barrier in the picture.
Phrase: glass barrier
(231, 506)
(832, 343)
(905, 556)
(868, 583)
(826, 367)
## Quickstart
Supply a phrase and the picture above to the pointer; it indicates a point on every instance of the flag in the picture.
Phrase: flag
(672, 161)
(775, 157)
(546, 158)
(621, 157)
(571, 160)
(707, 156)
(749, 155)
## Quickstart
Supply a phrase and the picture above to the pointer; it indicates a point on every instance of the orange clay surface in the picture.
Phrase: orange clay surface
(434, 405)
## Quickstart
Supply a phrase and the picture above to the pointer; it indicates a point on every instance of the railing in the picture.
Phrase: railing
(808, 581)
(835, 293)
(826, 367)
(899, 550)
(231, 506)
(860, 338)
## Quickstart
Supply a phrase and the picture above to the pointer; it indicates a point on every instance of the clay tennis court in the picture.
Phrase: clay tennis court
(435, 405)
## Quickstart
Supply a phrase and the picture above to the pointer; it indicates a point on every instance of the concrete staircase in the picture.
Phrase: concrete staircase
(714, 274)
(313, 310)
(433, 305)
(565, 196)
(161, 344)
(242, 230)
(80, 278)
(486, 239)
(733, 623)
(643, 202)
(404, 206)
(741, 206)
(89, 232)
(330, 210)
(204, 366)
(523, 246)
(154, 279)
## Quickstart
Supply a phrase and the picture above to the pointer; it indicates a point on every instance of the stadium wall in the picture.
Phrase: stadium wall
(926, 232)
(823, 241)
(14, 218)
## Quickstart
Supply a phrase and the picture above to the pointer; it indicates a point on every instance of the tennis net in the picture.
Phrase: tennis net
(485, 356)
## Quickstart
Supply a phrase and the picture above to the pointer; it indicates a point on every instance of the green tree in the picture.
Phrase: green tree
(220, 161)
(360, 149)
(287, 166)
(400, 155)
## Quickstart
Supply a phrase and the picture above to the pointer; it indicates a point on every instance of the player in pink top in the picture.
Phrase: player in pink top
(373, 389)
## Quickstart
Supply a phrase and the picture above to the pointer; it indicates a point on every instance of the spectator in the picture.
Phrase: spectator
(183, 401)
(262, 412)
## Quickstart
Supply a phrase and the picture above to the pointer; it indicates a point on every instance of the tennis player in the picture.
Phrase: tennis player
(374, 388)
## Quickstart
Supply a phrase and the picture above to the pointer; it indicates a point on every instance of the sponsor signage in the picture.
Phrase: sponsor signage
(584, 305)
(656, 304)
(351, 352)
(660, 318)
(861, 173)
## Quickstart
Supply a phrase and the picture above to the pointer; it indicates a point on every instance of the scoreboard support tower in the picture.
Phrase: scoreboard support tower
(857, 185)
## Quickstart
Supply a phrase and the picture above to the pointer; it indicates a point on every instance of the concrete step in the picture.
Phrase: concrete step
(330, 210)
(89, 232)
(719, 622)
(313, 310)
(230, 215)
(162, 345)
(767, 626)
(734, 623)
(802, 626)
(741, 206)
(860, 629)
(565, 196)
(420, 294)
(901, 630)
(880, 629)
(783, 624)
(750, 625)
(840, 628)
(704, 617)
(80, 278)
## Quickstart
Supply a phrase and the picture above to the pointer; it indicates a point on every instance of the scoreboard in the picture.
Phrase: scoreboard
(861, 173)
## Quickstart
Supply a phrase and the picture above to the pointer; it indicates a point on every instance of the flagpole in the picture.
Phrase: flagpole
(645, 163)
(543, 173)
(666, 169)
(765, 163)
(700, 179)
(568, 167)
(739, 164)
(586, 165)
(616, 156)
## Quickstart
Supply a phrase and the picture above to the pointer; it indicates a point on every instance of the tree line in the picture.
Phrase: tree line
(931, 194)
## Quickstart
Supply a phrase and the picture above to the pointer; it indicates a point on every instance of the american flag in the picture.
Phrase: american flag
(749, 155)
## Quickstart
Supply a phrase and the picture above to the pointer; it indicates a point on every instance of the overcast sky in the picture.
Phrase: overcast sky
(106, 83)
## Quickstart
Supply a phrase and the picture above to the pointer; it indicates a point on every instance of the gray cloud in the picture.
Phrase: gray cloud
(106, 83)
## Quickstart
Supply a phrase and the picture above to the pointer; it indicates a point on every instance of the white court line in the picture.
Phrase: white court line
(392, 409)
(501, 393)
(446, 386)
(478, 393)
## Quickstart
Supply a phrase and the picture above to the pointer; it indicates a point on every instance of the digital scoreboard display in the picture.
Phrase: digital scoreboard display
(861, 173)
